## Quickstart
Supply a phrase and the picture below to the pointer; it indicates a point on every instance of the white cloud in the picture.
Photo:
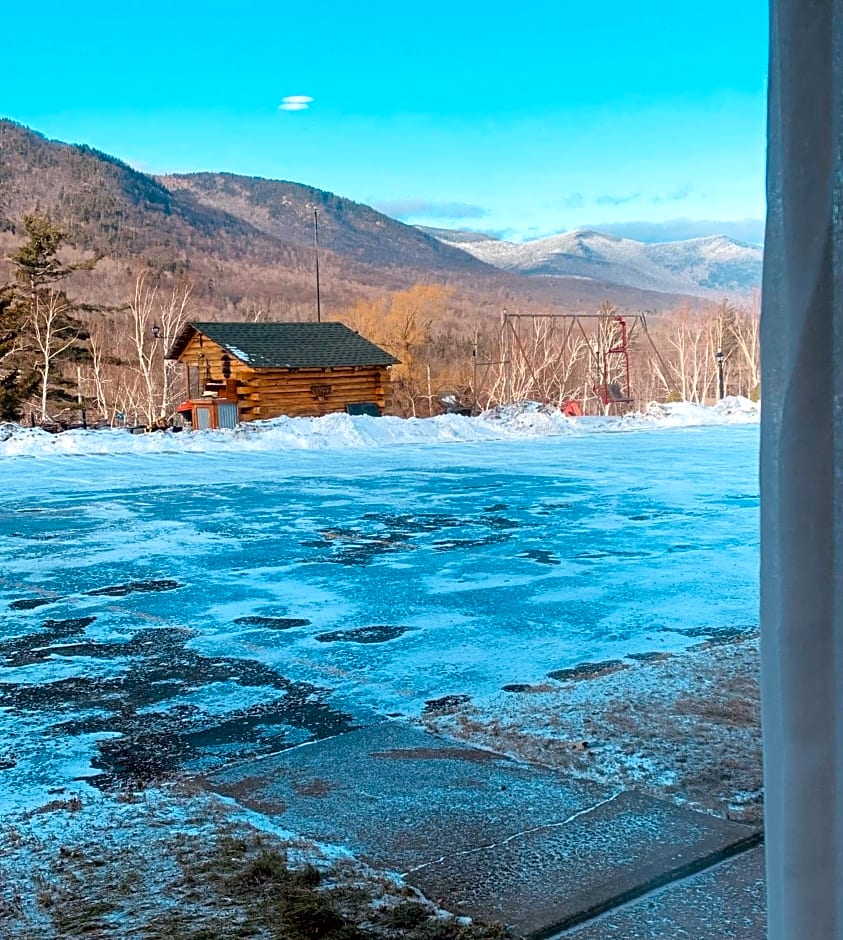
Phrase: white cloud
(669, 230)
(405, 209)
(295, 103)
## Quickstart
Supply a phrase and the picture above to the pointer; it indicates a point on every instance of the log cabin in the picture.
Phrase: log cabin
(250, 371)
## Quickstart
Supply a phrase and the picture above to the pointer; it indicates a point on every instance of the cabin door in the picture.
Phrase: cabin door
(203, 418)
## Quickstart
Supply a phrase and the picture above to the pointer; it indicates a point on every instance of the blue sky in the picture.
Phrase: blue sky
(522, 120)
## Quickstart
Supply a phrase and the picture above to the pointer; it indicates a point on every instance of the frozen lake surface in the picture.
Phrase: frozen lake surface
(179, 608)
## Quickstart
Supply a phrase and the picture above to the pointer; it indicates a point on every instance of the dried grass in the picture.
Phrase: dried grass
(686, 727)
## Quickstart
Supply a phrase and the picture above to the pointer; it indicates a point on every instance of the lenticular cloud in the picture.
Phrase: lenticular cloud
(295, 103)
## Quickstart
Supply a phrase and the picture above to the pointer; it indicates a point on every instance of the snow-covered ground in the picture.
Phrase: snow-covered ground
(175, 601)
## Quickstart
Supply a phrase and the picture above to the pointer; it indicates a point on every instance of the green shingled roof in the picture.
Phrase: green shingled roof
(288, 345)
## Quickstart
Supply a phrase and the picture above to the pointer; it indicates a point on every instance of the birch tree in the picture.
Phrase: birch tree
(156, 317)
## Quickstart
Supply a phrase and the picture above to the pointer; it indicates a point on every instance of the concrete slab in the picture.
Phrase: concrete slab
(726, 901)
(552, 877)
(484, 835)
(396, 795)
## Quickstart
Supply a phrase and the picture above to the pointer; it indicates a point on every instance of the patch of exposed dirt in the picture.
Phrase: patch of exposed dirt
(474, 755)
(588, 670)
(685, 727)
(446, 704)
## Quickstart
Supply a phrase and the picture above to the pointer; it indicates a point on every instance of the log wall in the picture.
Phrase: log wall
(268, 393)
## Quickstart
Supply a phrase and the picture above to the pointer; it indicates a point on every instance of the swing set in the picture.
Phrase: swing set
(606, 335)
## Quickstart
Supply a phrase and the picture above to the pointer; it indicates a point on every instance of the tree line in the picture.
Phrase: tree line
(64, 361)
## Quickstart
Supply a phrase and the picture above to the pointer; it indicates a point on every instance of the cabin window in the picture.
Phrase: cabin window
(226, 367)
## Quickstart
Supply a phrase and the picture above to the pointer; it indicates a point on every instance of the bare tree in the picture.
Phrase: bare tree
(172, 315)
(155, 320)
(54, 333)
(540, 358)
(142, 310)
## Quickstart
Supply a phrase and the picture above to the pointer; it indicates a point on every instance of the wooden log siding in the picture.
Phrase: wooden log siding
(268, 393)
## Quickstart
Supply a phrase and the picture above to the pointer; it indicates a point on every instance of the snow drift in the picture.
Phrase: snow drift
(341, 431)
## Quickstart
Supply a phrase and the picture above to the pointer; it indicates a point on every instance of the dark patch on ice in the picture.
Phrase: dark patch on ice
(355, 547)
(651, 657)
(445, 704)
(451, 545)
(654, 514)
(588, 670)
(499, 522)
(611, 553)
(498, 507)
(36, 536)
(135, 587)
(273, 623)
(395, 532)
(69, 626)
(379, 633)
(408, 524)
(35, 647)
(30, 603)
(158, 737)
(541, 556)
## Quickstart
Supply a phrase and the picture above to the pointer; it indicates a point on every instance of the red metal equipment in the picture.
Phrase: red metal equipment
(610, 391)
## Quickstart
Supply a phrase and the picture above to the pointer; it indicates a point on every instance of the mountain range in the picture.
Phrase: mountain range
(714, 266)
(247, 244)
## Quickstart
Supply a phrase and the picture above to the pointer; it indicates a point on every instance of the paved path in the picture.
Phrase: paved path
(481, 834)
(726, 902)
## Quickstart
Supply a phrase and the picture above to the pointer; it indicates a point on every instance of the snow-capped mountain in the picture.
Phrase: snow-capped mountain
(715, 265)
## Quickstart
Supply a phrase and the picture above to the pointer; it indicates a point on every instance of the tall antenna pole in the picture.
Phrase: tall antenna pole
(316, 246)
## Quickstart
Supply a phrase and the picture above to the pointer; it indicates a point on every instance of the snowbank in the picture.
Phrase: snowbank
(340, 431)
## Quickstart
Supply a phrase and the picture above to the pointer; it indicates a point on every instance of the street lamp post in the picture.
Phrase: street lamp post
(719, 357)
(316, 248)
(156, 335)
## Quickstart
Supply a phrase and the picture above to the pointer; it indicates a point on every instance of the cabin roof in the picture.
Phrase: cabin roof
(287, 345)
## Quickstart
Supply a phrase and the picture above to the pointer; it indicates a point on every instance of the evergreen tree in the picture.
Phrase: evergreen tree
(17, 381)
(55, 336)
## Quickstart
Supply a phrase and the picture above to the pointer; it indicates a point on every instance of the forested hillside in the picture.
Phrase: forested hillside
(94, 254)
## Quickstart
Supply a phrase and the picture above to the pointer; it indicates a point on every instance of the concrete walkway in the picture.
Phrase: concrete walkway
(492, 838)
(726, 902)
